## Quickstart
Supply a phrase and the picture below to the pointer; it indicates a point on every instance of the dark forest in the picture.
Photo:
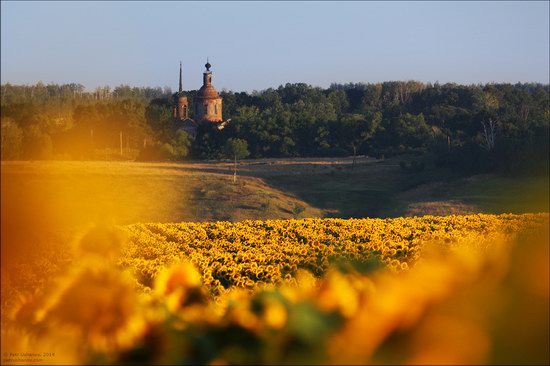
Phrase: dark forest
(467, 128)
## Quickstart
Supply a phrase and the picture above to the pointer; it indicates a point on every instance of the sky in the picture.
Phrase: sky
(258, 45)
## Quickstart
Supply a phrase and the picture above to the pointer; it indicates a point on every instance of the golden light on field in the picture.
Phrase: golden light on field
(89, 283)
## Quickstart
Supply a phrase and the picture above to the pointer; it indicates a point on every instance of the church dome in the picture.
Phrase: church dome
(208, 92)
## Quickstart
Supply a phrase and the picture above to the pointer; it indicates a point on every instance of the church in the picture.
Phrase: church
(207, 106)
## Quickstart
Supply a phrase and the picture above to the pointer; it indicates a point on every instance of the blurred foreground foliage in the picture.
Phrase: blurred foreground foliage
(474, 290)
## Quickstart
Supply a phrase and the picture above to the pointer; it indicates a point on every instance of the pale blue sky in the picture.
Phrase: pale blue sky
(257, 45)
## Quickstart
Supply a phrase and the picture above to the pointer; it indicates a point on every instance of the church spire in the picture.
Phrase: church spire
(181, 84)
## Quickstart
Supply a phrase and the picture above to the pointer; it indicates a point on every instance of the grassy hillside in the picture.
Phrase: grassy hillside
(75, 192)
(379, 188)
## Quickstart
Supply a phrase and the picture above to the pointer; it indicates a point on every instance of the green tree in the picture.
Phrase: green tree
(36, 144)
(237, 149)
(181, 144)
(12, 139)
(413, 131)
(356, 129)
(339, 101)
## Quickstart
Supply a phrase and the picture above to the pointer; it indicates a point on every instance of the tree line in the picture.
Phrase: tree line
(463, 127)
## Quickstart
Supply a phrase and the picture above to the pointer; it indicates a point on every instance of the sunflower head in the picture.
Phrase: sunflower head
(181, 284)
(98, 303)
(102, 240)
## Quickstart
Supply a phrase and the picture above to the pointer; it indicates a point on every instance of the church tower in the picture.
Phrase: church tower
(181, 110)
(208, 103)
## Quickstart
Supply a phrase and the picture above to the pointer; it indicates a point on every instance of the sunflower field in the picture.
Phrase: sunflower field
(425, 290)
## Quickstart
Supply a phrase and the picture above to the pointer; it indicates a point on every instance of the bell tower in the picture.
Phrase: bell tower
(181, 109)
(208, 103)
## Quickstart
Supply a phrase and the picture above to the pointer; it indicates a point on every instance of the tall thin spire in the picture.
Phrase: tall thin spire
(181, 84)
